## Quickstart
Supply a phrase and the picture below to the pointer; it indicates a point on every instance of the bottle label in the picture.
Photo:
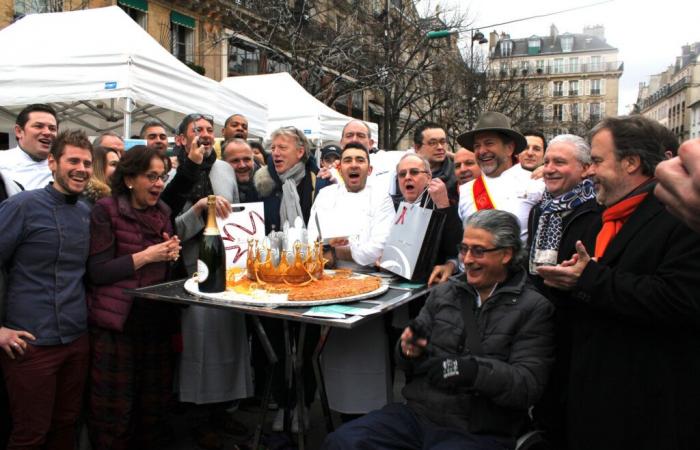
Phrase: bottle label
(202, 271)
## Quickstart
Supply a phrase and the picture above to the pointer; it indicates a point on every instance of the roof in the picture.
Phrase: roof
(550, 46)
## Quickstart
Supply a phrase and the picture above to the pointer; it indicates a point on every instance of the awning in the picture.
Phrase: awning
(141, 5)
(181, 19)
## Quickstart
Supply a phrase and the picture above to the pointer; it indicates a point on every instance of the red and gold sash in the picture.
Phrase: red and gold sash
(482, 199)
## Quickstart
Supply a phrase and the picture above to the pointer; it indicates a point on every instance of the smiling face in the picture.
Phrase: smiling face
(609, 175)
(466, 168)
(157, 139)
(483, 273)
(413, 177)
(144, 192)
(241, 158)
(354, 168)
(562, 171)
(493, 155)
(72, 170)
(285, 153)
(531, 158)
(37, 135)
(434, 146)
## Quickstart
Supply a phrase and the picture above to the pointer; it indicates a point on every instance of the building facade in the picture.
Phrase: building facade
(672, 97)
(573, 77)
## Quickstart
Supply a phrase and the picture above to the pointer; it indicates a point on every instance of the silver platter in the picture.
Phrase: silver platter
(264, 298)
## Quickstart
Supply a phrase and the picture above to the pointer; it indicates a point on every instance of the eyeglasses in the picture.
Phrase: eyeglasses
(413, 172)
(153, 177)
(435, 142)
(476, 250)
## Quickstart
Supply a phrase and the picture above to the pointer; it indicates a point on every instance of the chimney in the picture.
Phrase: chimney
(553, 32)
(685, 50)
(493, 40)
(595, 30)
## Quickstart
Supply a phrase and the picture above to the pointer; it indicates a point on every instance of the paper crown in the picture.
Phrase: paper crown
(299, 266)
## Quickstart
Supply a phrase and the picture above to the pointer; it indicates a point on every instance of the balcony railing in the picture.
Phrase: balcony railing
(573, 93)
(595, 91)
(558, 93)
(532, 70)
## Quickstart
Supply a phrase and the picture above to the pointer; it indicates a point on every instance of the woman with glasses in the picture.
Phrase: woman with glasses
(104, 163)
(131, 245)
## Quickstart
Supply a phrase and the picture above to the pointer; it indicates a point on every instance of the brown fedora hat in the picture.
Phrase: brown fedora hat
(496, 122)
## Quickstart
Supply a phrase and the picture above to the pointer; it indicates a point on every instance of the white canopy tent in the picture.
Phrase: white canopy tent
(102, 71)
(289, 104)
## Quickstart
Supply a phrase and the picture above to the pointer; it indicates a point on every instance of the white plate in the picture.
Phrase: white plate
(261, 297)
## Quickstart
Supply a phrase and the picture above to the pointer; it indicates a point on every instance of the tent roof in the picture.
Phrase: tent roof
(291, 105)
(99, 54)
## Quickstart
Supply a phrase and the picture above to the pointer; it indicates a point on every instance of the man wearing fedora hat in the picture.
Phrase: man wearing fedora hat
(503, 183)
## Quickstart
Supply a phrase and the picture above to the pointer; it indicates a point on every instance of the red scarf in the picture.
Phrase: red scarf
(614, 218)
(482, 199)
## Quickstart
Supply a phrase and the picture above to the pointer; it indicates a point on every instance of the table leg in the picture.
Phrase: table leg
(299, 374)
(272, 361)
(325, 332)
(288, 376)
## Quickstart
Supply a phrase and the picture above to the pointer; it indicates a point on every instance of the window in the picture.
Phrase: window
(23, 7)
(574, 112)
(243, 59)
(540, 65)
(558, 65)
(595, 87)
(567, 43)
(533, 47)
(275, 65)
(523, 90)
(558, 89)
(182, 36)
(573, 87)
(573, 65)
(595, 112)
(506, 48)
(595, 64)
(539, 113)
(558, 113)
(137, 10)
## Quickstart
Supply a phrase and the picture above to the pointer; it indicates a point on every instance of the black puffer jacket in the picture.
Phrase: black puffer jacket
(515, 325)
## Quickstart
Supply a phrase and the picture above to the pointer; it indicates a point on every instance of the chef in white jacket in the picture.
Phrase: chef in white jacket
(355, 362)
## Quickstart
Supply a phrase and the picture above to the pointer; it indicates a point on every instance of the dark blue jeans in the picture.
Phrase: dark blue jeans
(396, 426)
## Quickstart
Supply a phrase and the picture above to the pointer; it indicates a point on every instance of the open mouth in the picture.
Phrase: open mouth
(354, 175)
(409, 187)
(45, 142)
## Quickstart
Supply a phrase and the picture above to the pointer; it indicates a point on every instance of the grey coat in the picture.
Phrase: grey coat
(214, 364)
(515, 326)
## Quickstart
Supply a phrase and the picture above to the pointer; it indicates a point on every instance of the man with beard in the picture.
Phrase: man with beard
(466, 168)
(533, 155)
(27, 165)
(430, 142)
(155, 135)
(633, 378)
(239, 155)
(44, 246)
(235, 126)
(355, 362)
(568, 212)
(503, 184)
(214, 365)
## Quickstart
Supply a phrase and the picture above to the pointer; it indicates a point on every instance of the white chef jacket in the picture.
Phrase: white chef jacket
(24, 170)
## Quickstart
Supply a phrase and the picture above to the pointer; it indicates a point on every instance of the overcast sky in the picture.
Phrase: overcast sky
(648, 35)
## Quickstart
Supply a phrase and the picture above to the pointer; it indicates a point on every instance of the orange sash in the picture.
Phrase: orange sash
(482, 199)
(614, 218)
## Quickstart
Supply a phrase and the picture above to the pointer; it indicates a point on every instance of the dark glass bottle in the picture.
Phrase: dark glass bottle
(211, 264)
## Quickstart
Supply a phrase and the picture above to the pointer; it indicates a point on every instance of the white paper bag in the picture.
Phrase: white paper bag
(246, 221)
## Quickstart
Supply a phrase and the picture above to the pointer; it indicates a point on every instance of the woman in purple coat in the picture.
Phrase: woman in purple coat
(131, 245)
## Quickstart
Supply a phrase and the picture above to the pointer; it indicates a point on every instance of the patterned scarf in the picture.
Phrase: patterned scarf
(545, 246)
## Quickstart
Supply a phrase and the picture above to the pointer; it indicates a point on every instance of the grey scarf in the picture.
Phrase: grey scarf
(290, 207)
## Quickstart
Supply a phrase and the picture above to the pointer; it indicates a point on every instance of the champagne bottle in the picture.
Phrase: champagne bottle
(211, 264)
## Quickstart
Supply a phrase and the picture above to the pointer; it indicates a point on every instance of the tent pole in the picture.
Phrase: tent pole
(128, 106)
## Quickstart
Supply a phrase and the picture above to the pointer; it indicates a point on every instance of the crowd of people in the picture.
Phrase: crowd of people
(564, 291)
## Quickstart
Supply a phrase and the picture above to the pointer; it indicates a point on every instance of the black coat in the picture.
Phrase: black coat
(635, 368)
(583, 224)
(517, 340)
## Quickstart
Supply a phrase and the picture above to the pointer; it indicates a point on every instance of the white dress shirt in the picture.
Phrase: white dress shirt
(24, 170)
(513, 191)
